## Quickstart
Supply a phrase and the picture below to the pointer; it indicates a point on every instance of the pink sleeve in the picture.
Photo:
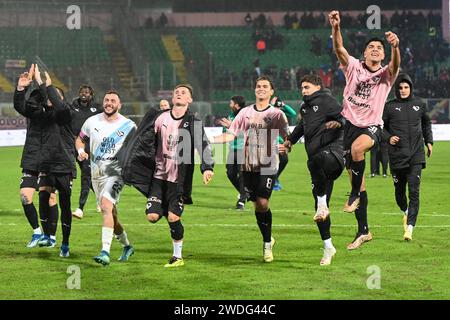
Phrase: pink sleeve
(157, 124)
(387, 77)
(236, 125)
(282, 125)
(350, 67)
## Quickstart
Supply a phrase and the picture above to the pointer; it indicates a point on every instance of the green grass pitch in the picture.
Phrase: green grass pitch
(223, 247)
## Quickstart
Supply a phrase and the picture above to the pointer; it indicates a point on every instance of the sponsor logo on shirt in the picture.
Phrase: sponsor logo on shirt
(120, 133)
(416, 108)
(399, 108)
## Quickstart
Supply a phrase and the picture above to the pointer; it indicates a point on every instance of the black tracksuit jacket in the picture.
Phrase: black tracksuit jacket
(318, 109)
(81, 113)
(408, 119)
(137, 156)
(57, 143)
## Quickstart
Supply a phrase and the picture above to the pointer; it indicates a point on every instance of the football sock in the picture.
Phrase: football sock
(107, 235)
(324, 228)
(357, 175)
(176, 230)
(177, 248)
(264, 220)
(31, 214)
(123, 239)
(361, 214)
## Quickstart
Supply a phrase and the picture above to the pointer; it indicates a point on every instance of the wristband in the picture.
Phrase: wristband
(81, 150)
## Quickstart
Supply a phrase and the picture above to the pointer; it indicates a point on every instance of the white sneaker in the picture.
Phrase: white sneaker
(267, 251)
(322, 213)
(78, 213)
(328, 254)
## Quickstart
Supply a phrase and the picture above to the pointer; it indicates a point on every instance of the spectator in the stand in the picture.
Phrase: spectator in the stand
(163, 21)
(316, 45)
(248, 20)
(261, 46)
(261, 21)
(321, 19)
(295, 21)
(287, 21)
(326, 74)
(245, 77)
(257, 68)
(149, 22)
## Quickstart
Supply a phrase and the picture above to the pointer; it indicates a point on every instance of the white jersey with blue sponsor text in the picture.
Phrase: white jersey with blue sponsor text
(105, 138)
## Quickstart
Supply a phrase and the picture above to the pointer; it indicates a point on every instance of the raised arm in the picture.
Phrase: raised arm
(23, 84)
(394, 41)
(338, 43)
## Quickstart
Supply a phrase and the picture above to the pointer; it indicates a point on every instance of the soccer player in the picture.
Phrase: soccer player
(322, 126)
(284, 158)
(84, 107)
(407, 128)
(235, 159)
(57, 164)
(106, 133)
(261, 124)
(160, 156)
(31, 153)
(173, 131)
(367, 86)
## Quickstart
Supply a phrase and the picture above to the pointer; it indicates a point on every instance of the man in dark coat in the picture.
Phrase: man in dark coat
(407, 128)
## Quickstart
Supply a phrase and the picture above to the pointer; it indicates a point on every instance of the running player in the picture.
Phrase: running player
(367, 86)
(322, 126)
(261, 124)
(106, 133)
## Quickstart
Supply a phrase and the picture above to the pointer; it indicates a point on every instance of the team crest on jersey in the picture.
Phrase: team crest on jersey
(376, 78)
(93, 109)
(267, 120)
(185, 125)
(120, 133)
(304, 110)
(315, 108)
(416, 108)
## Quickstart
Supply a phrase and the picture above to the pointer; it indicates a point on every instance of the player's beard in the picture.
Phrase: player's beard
(112, 113)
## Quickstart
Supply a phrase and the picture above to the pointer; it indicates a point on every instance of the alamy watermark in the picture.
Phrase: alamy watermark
(74, 280)
(374, 20)
(374, 280)
(73, 21)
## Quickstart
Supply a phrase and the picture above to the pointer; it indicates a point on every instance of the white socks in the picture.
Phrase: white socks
(177, 247)
(327, 244)
(322, 201)
(123, 239)
(37, 230)
(410, 228)
(107, 235)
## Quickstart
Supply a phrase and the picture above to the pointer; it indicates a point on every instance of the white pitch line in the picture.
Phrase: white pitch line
(203, 225)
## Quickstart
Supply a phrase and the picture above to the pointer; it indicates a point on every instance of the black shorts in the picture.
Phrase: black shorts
(352, 132)
(258, 185)
(58, 181)
(29, 179)
(330, 163)
(164, 198)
